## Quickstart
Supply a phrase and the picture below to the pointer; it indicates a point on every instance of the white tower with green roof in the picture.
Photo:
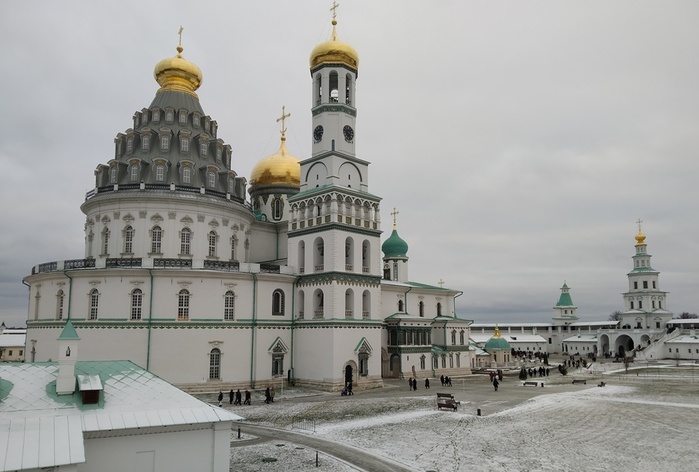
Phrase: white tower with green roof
(564, 311)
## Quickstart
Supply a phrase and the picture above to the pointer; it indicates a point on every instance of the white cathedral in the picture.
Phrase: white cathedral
(190, 279)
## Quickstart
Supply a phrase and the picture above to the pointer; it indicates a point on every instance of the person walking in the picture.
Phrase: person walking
(220, 398)
(415, 384)
(237, 397)
(495, 384)
(267, 395)
(230, 397)
(247, 397)
(427, 383)
(272, 392)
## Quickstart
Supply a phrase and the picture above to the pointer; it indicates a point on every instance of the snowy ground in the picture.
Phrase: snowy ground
(638, 424)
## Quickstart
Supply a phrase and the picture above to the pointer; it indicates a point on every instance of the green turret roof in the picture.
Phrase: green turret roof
(565, 299)
(497, 342)
(394, 246)
(68, 332)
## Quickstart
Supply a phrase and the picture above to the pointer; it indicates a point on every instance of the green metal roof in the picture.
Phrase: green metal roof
(497, 343)
(68, 332)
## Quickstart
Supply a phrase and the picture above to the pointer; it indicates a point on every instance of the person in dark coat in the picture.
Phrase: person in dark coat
(230, 397)
(442, 380)
(237, 397)
(247, 397)
(268, 397)
(427, 383)
(220, 398)
(495, 384)
(415, 384)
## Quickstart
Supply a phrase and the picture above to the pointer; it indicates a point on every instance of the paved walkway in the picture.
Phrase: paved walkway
(361, 460)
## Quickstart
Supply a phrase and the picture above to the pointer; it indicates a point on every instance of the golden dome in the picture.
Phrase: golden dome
(178, 74)
(334, 51)
(279, 168)
(640, 239)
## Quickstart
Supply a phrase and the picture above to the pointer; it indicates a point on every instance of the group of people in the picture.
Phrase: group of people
(446, 381)
(235, 397)
(347, 390)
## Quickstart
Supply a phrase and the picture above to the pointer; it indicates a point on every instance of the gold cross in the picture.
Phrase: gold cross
(282, 118)
(441, 283)
(180, 33)
(394, 213)
(334, 8)
(639, 221)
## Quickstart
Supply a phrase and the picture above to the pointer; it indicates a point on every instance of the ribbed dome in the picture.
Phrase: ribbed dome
(334, 51)
(497, 342)
(281, 168)
(640, 239)
(178, 74)
(394, 246)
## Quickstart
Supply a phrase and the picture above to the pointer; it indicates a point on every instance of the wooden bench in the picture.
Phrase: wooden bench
(532, 383)
(445, 395)
(579, 381)
(602, 384)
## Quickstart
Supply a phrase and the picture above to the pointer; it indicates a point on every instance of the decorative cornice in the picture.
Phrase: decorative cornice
(341, 107)
(326, 278)
(335, 226)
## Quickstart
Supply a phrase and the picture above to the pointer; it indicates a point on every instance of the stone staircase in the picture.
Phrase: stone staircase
(656, 349)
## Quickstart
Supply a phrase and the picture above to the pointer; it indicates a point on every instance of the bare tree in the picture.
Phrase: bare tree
(616, 316)
(688, 316)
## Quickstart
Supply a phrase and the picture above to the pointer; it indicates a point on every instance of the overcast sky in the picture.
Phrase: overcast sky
(520, 141)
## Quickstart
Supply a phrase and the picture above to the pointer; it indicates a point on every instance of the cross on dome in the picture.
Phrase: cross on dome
(282, 118)
(639, 222)
(394, 213)
(334, 9)
(180, 34)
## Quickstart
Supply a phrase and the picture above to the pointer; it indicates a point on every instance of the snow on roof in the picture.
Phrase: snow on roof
(13, 338)
(132, 398)
(516, 338)
(594, 323)
(581, 338)
(511, 325)
(684, 321)
(684, 339)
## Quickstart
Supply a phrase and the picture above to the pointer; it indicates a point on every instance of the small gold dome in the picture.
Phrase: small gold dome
(178, 74)
(334, 51)
(640, 239)
(279, 168)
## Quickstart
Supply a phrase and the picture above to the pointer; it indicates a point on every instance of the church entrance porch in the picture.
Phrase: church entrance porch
(624, 345)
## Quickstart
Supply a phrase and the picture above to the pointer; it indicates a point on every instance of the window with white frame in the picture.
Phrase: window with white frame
(234, 247)
(183, 305)
(156, 115)
(213, 237)
(453, 337)
(128, 240)
(277, 364)
(183, 117)
(94, 304)
(277, 206)
(184, 144)
(134, 172)
(187, 175)
(229, 306)
(114, 174)
(164, 142)
(159, 172)
(204, 148)
(185, 241)
(145, 142)
(136, 304)
(105, 241)
(215, 364)
(169, 116)
(156, 240)
(212, 179)
(129, 144)
(363, 358)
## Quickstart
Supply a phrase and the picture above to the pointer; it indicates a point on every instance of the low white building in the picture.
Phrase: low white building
(12, 342)
(105, 416)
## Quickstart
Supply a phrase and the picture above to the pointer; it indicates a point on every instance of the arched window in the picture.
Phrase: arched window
(212, 179)
(136, 304)
(145, 142)
(134, 173)
(212, 243)
(395, 271)
(229, 306)
(422, 362)
(183, 305)
(348, 92)
(185, 241)
(462, 337)
(453, 337)
(421, 308)
(278, 303)
(277, 206)
(60, 298)
(105, 241)
(156, 240)
(160, 172)
(187, 175)
(400, 305)
(334, 95)
(94, 304)
(114, 174)
(184, 144)
(319, 90)
(128, 240)
(439, 309)
(215, 363)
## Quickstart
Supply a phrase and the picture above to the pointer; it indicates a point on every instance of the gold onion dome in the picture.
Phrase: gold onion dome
(281, 168)
(178, 74)
(640, 238)
(334, 51)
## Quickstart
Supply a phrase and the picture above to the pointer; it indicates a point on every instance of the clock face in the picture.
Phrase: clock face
(348, 132)
(318, 134)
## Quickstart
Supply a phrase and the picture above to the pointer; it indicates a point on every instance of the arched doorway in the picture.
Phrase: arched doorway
(348, 375)
(624, 345)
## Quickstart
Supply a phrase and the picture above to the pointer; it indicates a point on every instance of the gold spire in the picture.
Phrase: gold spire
(177, 73)
(281, 168)
(394, 213)
(334, 51)
(497, 332)
(640, 237)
